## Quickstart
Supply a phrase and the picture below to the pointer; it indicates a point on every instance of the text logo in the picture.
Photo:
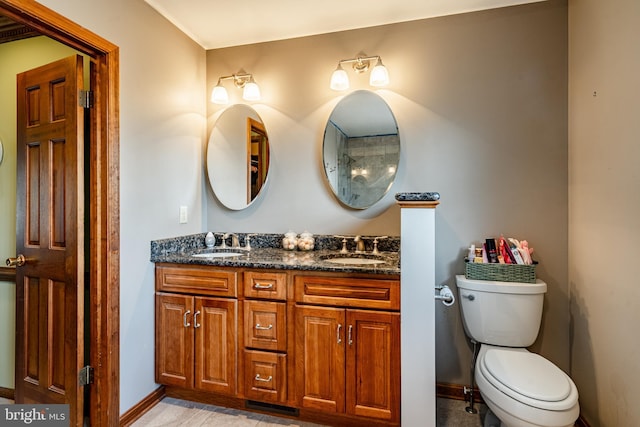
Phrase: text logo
(40, 415)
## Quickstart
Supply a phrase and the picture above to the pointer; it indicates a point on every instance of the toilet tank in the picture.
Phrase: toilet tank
(501, 313)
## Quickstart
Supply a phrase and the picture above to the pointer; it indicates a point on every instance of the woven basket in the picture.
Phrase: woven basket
(501, 272)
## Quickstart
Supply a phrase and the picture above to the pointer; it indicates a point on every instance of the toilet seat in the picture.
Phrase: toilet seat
(528, 378)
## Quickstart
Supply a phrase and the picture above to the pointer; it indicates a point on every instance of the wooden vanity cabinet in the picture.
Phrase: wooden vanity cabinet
(348, 354)
(325, 345)
(196, 335)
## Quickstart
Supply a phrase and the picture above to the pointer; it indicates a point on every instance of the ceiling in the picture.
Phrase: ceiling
(223, 23)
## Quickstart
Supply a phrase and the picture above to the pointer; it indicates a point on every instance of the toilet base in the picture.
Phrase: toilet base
(490, 420)
(505, 419)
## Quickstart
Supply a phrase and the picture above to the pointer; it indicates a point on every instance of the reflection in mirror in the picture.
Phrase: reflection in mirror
(361, 149)
(238, 157)
(259, 156)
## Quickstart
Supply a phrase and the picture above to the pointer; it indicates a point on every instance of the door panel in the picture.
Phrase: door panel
(32, 330)
(174, 339)
(320, 358)
(373, 364)
(49, 232)
(215, 344)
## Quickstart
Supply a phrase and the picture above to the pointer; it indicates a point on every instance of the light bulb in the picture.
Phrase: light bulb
(339, 79)
(219, 95)
(379, 75)
(251, 92)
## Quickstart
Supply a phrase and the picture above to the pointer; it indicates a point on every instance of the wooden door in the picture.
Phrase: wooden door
(49, 233)
(373, 364)
(216, 335)
(174, 339)
(320, 358)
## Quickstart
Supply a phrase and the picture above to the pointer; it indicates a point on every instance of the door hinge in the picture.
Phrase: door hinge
(85, 98)
(85, 376)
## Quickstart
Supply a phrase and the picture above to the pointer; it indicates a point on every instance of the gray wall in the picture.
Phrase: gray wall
(474, 95)
(481, 104)
(478, 97)
(604, 194)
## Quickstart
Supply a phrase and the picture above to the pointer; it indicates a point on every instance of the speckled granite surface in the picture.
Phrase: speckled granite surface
(418, 197)
(266, 252)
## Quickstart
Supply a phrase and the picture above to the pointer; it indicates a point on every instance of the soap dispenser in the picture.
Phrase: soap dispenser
(210, 240)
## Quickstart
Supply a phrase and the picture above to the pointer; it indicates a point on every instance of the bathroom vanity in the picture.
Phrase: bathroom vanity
(301, 334)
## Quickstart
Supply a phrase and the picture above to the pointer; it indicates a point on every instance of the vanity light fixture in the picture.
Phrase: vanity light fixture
(379, 75)
(244, 81)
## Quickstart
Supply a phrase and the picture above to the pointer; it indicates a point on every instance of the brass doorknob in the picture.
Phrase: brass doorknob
(17, 261)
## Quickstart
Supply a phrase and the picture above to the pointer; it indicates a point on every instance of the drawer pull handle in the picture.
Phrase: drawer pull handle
(338, 339)
(185, 323)
(350, 330)
(264, 380)
(195, 319)
(259, 286)
(263, 328)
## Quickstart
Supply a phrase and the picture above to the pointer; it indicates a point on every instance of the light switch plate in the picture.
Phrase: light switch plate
(183, 214)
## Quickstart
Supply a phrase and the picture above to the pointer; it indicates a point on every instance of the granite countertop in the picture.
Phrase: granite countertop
(266, 254)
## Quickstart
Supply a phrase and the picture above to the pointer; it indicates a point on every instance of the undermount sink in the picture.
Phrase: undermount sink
(353, 259)
(218, 254)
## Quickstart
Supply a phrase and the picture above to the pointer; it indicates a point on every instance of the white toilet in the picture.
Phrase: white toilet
(521, 388)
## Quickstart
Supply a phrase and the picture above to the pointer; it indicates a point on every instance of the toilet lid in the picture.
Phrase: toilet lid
(527, 374)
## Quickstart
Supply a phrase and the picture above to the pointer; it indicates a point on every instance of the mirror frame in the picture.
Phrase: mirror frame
(392, 123)
(232, 134)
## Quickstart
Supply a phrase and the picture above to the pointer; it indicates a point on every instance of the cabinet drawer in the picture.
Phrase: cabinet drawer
(196, 280)
(265, 325)
(348, 291)
(259, 284)
(265, 376)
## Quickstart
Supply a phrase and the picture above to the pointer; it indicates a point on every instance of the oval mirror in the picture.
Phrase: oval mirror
(238, 157)
(361, 149)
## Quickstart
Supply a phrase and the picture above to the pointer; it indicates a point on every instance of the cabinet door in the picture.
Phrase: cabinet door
(320, 356)
(215, 344)
(174, 340)
(373, 364)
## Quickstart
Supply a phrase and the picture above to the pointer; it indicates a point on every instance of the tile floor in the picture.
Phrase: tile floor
(173, 412)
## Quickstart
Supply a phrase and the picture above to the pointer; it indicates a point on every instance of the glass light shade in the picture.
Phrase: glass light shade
(219, 95)
(379, 75)
(251, 92)
(339, 79)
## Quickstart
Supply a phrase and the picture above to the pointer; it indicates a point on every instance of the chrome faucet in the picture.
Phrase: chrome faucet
(359, 244)
(247, 243)
(375, 244)
(223, 240)
(235, 243)
(344, 244)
